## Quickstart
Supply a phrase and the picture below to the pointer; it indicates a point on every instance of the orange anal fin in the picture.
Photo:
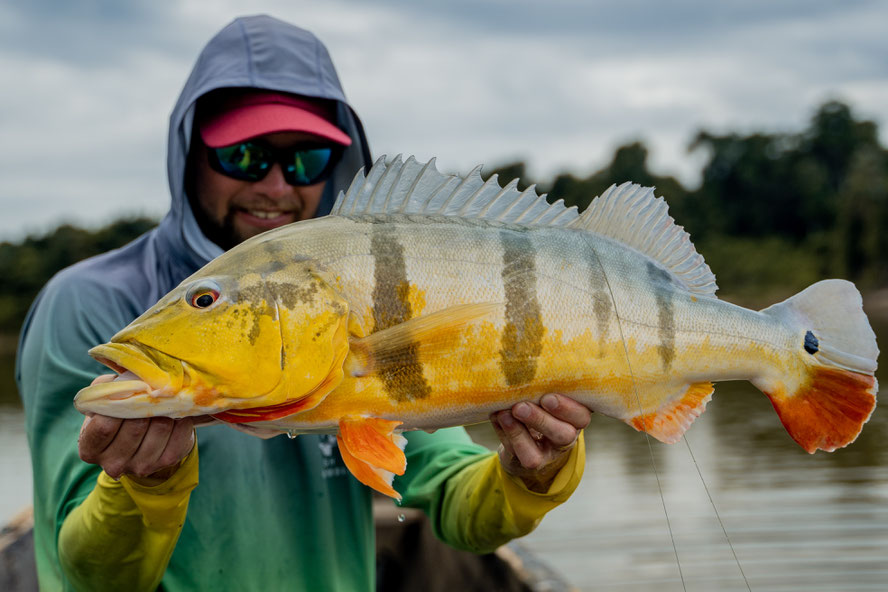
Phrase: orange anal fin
(672, 420)
(373, 441)
(829, 410)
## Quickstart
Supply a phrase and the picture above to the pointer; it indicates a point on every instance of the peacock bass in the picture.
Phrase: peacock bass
(427, 300)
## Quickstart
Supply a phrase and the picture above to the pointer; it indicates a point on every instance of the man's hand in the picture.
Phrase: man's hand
(147, 449)
(537, 439)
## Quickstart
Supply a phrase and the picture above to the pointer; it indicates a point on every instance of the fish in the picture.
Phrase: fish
(427, 300)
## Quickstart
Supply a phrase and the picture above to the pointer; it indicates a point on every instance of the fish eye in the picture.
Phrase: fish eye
(203, 295)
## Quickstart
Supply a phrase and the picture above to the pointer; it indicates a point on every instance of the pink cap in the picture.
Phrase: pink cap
(241, 116)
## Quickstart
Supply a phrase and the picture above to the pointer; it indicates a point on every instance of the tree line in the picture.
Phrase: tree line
(773, 213)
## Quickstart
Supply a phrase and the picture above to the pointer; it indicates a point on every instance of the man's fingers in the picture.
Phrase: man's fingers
(115, 459)
(501, 434)
(566, 409)
(523, 445)
(96, 434)
(559, 433)
(146, 459)
(139, 447)
(180, 443)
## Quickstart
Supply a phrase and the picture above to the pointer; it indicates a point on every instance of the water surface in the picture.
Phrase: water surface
(795, 521)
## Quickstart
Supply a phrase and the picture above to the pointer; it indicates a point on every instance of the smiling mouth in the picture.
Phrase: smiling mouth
(263, 216)
(267, 214)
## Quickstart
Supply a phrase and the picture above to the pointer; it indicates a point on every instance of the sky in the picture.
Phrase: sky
(89, 84)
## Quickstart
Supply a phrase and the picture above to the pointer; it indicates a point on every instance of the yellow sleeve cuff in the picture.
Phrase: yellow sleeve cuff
(122, 535)
(529, 507)
(164, 506)
(488, 507)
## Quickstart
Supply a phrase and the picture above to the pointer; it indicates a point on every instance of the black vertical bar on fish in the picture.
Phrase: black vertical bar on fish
(522, 339)
(663, 293)
(403, 381)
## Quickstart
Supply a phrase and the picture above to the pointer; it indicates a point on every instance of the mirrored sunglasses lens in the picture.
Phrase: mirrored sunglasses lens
(309, 165)
(243, 161)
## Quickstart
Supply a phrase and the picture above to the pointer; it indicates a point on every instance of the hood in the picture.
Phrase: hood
(260, 52)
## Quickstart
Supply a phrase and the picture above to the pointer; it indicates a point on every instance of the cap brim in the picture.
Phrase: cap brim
(250, 121)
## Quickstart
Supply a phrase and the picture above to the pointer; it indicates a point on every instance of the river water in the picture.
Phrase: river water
(737, 505)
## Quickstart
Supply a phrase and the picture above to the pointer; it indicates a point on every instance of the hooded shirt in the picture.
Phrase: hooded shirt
(267, 514)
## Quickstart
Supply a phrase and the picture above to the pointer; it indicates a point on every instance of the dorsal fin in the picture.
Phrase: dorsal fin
(632, 215)
(410, 187)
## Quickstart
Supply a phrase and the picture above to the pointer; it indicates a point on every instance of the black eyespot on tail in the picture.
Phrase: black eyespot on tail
(812, 346)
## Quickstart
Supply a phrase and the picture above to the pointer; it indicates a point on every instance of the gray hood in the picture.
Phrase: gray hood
(260, 52)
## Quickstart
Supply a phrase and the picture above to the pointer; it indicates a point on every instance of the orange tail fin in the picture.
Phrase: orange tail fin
(826, 403)
(829, 410)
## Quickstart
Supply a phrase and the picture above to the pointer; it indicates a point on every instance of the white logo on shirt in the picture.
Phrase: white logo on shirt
(332, 462)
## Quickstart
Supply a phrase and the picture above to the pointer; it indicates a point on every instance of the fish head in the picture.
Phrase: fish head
(221, 342)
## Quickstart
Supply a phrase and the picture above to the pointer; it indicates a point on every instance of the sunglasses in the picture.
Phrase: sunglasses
(251, 161)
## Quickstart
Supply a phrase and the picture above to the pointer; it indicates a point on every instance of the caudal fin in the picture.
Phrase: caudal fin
(826, 405)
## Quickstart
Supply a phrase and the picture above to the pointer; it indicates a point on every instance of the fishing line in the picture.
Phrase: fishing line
(715, 509)
(638, 402)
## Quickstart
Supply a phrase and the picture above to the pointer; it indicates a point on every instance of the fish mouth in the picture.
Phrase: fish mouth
(148, 384)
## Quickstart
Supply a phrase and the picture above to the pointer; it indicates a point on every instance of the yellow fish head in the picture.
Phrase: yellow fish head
(222, 342)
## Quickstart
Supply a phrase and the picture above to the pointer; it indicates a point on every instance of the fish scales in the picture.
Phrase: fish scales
(429, 300)
(577, 348)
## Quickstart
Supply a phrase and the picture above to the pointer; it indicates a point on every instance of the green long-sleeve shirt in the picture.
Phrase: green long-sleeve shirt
(135, 528)
(266, 514)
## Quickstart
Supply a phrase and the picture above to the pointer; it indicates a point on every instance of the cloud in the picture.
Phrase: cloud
(559, 84)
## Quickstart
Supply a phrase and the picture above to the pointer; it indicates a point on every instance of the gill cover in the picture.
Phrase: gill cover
(313, 322)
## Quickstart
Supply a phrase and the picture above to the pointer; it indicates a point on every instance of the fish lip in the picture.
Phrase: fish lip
(158, 377)
(141, 360)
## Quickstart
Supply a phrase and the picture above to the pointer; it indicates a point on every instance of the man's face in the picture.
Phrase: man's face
(230, 211)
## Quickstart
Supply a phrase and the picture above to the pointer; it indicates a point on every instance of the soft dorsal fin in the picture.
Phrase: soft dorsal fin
(632, 215)
(411, 187)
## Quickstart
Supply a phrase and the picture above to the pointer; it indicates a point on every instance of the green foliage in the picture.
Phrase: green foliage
(782, 184)
(760, 271)
(26, 266)
(817, 199)
(861, 227)
(628, 164)
(507, 172)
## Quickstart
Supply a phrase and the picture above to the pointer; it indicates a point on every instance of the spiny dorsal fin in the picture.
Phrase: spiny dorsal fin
(632, 215)
(411, 187)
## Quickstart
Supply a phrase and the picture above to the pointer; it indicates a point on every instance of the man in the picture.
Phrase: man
(261, 136)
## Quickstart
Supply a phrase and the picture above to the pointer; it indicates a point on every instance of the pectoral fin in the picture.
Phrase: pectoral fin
(372, 451)
(426, 335)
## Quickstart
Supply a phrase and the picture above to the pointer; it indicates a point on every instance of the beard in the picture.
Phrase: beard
(223, 232)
